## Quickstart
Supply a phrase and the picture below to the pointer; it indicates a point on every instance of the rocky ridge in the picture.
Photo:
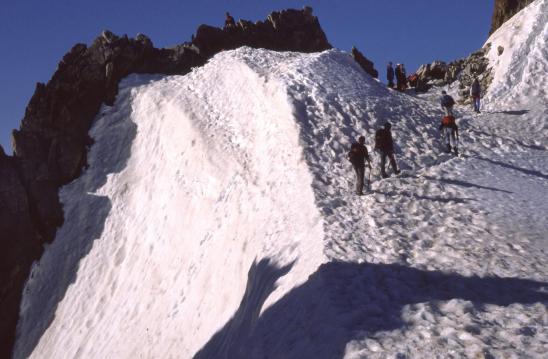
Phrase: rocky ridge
(50, 148)
(462, 71)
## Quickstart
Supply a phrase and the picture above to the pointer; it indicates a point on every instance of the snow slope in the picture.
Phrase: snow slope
(521, 71)
(217, 220)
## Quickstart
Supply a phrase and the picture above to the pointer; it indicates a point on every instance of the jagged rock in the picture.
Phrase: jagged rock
(463, 70)
(364, 62)
(438, 70)
(504, 10)
(434, 71)
(50, 147)
(287, 30)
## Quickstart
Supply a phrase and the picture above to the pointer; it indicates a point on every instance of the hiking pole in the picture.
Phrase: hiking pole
(369, 178)
(458, 139)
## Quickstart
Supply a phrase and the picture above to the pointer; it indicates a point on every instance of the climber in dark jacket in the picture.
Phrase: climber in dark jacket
(229, 21)
(385, 145)
(398, 77)
(390, 75)
(357, 156)
(475, 93)
(447, 102)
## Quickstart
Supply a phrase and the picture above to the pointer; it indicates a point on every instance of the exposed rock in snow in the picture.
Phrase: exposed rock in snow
(504, 10)
(364, 62)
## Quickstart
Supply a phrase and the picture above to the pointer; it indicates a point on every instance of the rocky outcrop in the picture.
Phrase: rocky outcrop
(364, 62)
(463, 71)
(50, 148)
(504, 10)
(287, 30)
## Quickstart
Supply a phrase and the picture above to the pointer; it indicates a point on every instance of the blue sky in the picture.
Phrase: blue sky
(37, 33)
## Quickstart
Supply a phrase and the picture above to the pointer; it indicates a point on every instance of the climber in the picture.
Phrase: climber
(357, 156)
(475, 93)
(403, 78)
(385, 145)
(447, 103)
(398, 77)
(390, 75)
(450, 131)
(229, 21)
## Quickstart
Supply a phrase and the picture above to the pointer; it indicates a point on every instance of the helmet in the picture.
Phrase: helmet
(387, 125)
(361, 139)
(444, 92)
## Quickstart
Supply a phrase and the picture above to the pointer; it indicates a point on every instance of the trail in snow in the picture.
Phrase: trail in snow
(219, 220)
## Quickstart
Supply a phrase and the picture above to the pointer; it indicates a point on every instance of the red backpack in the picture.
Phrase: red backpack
(448, 121)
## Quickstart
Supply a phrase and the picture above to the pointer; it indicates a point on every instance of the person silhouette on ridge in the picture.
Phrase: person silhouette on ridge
(229, 21)
(390, 75)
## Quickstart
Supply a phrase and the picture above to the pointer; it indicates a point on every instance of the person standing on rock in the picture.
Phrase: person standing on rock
(475, 93)
(385, 145)
(403, 78)
(398, 77)
(357, 156)
(447, 102)
(229, 21)
(390, 75)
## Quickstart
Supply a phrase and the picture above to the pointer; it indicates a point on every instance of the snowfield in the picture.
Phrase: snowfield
(217, 218)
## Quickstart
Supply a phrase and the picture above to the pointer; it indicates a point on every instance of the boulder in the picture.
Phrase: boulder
(438, 70)
(364, 62)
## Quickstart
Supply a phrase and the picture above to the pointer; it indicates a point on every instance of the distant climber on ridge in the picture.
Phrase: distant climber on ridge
(357, 156)
(403, 78)
(447, 102)
(385, 145)
(229, 21)
(475, 93)
(390, 75)
(398, 77)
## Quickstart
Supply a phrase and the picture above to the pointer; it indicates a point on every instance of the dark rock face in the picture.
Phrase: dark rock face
(287, 30)
(504, 10)
(50, 148)
(364, 62)
(20, 245)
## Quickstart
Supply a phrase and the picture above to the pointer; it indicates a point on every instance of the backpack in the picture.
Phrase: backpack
(447, 101)
(448, 121)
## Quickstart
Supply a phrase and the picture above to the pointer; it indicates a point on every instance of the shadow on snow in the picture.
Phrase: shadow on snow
(465, 184)
(343, 301)
(516, 168)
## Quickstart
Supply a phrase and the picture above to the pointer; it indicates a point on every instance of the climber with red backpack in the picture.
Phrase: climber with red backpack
(450, 131)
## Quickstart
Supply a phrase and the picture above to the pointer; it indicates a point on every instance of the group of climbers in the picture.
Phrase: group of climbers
(358, 155)
(399, 73)
(384, 143)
